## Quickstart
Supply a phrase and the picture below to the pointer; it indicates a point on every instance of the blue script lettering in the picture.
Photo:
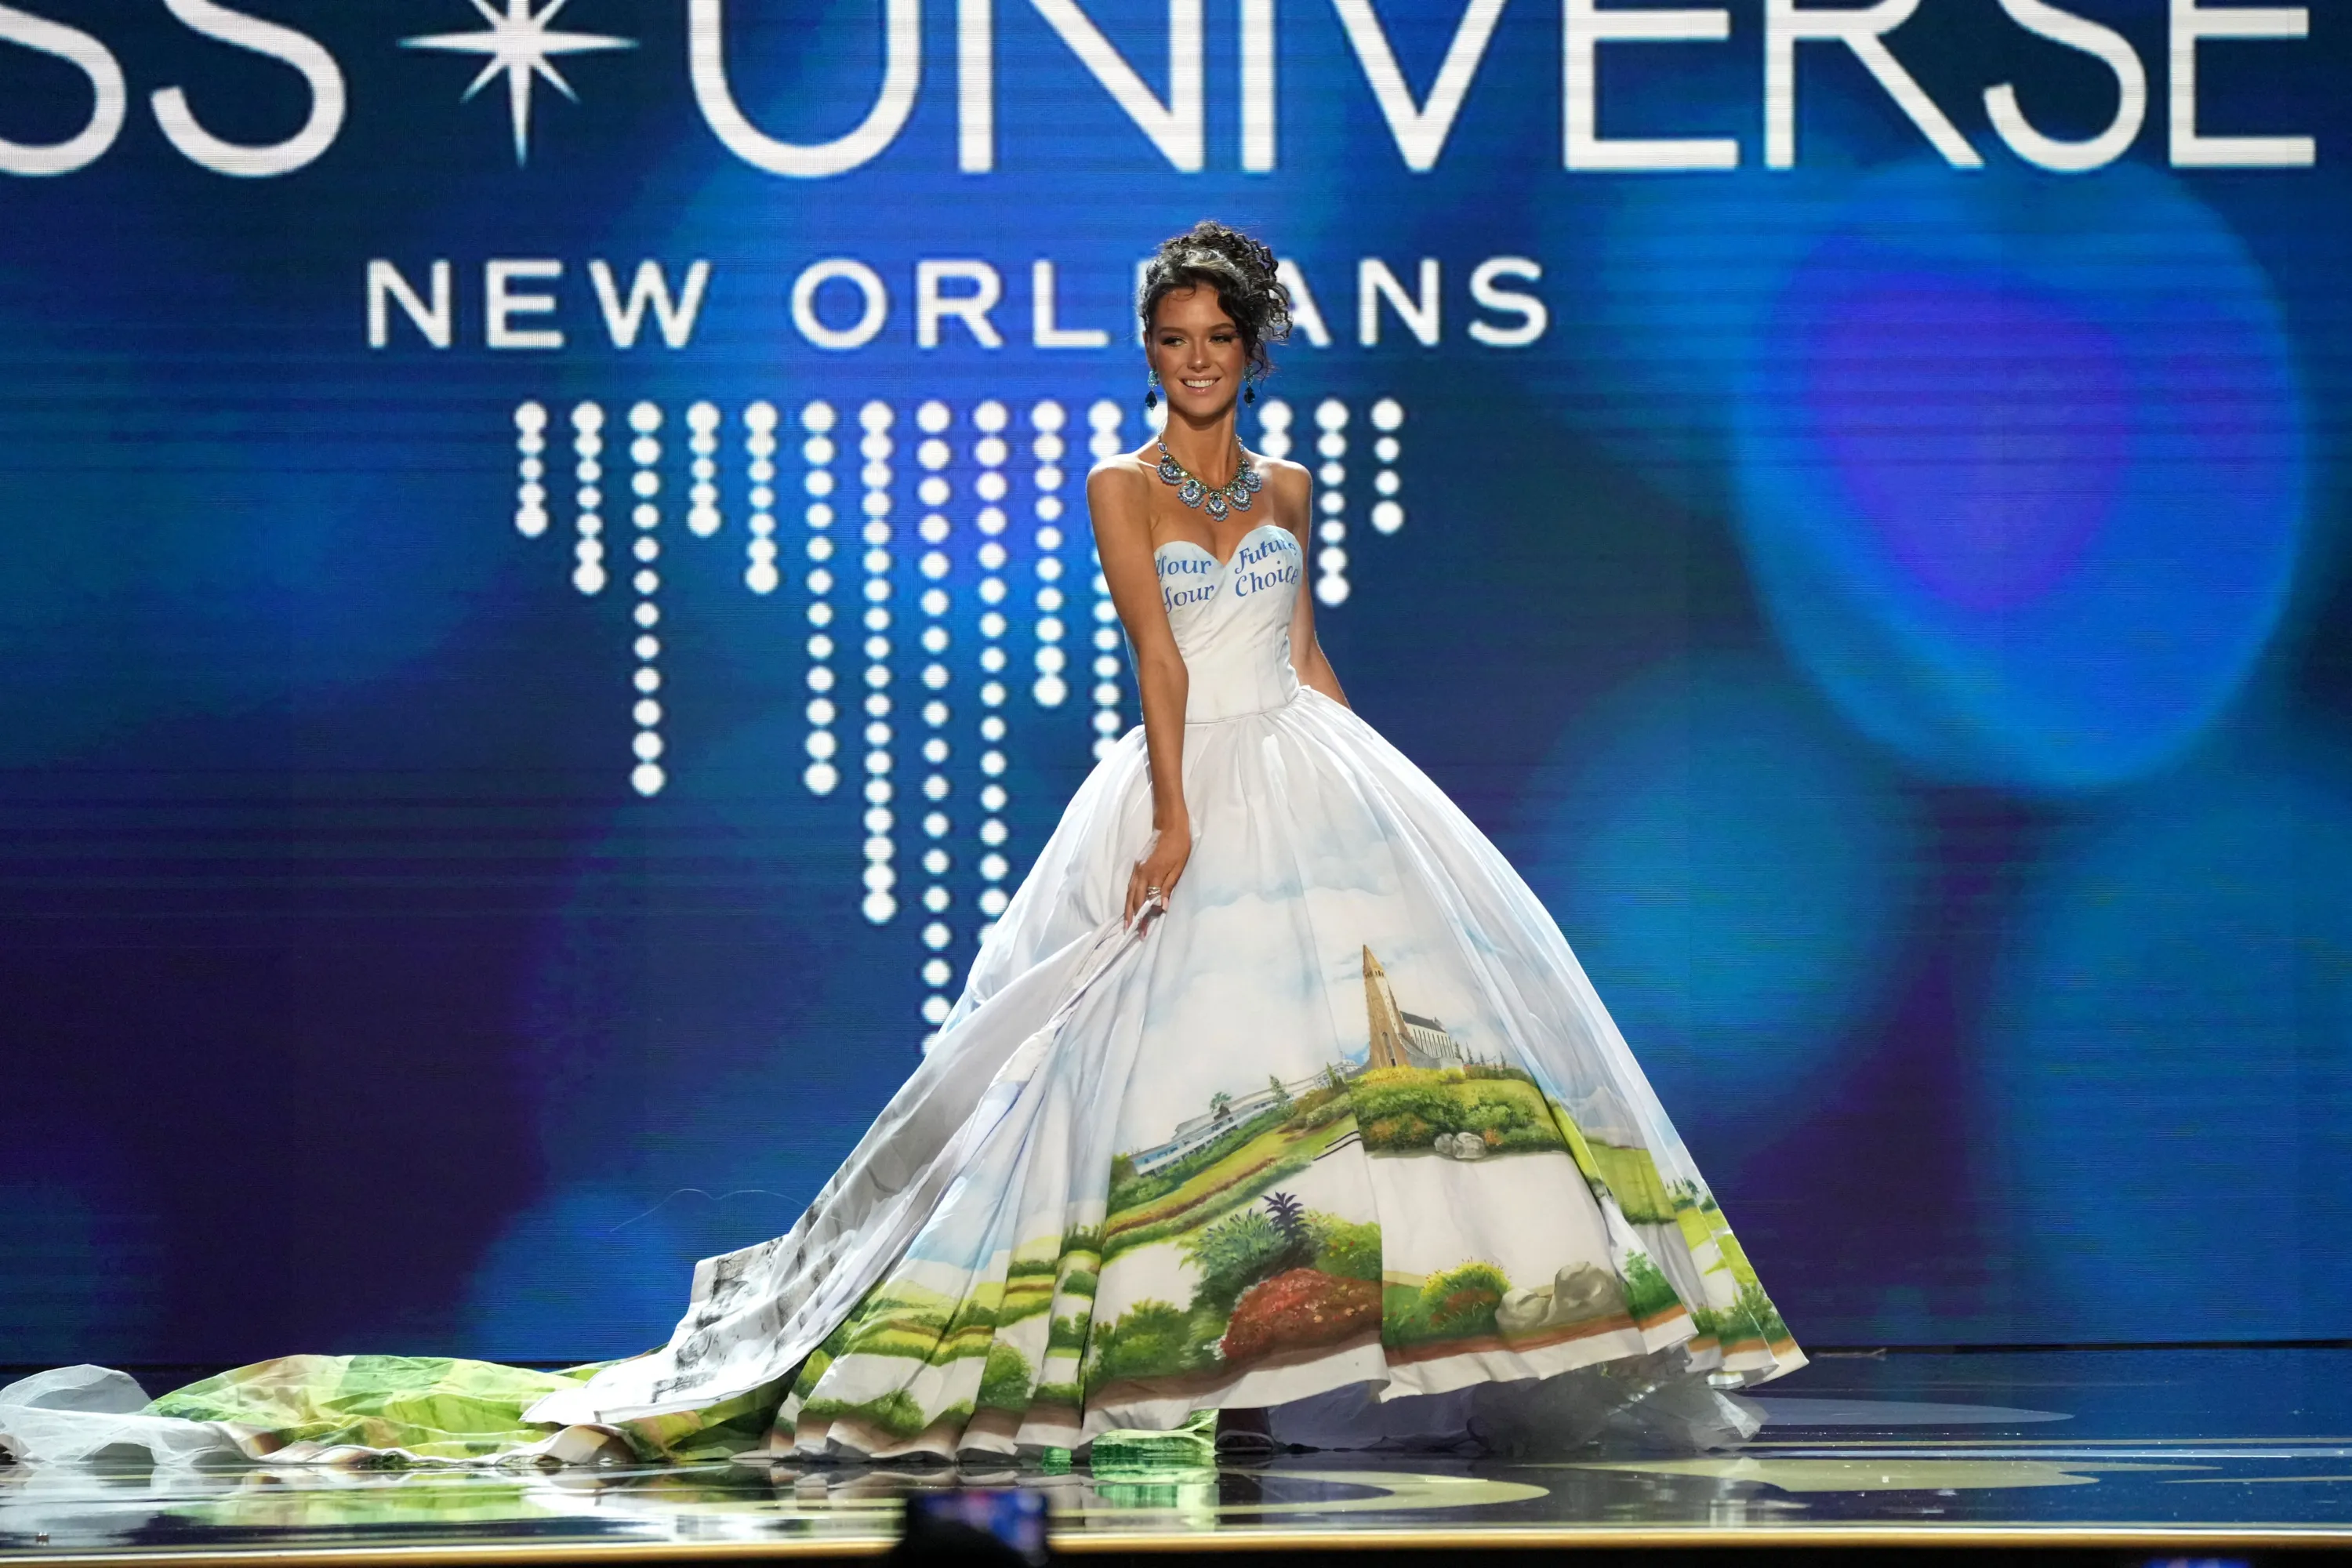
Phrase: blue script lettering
(1279, 573)
(1178, 594)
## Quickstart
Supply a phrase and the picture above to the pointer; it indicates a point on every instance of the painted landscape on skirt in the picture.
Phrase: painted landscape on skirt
(1240, 1246)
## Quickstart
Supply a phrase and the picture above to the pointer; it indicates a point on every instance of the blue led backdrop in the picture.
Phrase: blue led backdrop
(548, 601)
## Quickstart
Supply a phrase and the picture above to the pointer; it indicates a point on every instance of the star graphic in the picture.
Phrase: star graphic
(519, 45)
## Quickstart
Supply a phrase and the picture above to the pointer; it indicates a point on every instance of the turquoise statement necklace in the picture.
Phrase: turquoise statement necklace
(1219, 501)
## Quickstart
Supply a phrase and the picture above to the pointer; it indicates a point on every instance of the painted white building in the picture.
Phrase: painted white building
(1195, 1130)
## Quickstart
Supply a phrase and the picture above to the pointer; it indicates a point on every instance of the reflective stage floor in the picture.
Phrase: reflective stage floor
(2130, 1455)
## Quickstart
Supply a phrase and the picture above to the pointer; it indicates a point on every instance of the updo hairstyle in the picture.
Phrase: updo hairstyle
(1242, 272)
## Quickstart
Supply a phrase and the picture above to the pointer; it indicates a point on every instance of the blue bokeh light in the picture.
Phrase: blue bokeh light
(2170, 1044)
(1669, 314)
(587, 1263)
(2021, 471)
(1731, 869)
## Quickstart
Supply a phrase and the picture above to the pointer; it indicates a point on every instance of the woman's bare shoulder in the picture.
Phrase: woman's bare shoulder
(1119, 468)
(1115, 487)
(1291, 487)
(1283, 476)
(1119, 478)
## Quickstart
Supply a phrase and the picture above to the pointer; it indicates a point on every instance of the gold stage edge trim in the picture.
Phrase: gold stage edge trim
(2133, 1537)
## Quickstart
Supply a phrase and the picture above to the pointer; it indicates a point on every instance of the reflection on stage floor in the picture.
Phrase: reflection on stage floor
(2200, 1450)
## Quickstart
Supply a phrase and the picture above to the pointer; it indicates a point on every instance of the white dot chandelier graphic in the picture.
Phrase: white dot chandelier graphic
(880, 598)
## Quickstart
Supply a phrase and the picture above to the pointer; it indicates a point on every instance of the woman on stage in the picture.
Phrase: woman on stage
(1275, 1090)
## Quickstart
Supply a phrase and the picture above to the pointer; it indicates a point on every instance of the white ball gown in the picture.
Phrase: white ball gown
(1344, 1131)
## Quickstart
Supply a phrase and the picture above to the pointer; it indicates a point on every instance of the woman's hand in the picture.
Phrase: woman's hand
(1154, 876)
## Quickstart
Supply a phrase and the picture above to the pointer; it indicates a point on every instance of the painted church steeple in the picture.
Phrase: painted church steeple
(1386, 1022)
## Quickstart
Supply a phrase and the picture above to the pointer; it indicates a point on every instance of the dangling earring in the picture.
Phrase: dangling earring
(1249, 386)
(1152, 391)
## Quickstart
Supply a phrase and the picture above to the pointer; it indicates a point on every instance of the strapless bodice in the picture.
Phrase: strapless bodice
(1231, 621)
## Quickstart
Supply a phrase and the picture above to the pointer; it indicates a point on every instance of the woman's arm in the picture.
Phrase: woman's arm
(1116, 500)
(1293, 490)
